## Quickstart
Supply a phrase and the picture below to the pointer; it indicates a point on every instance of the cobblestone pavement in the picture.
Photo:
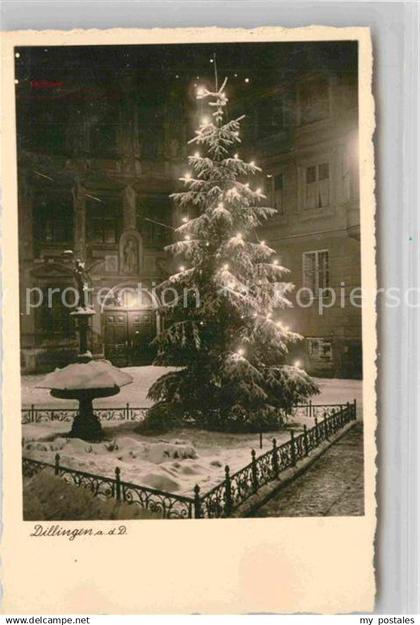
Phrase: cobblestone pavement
(331, 486)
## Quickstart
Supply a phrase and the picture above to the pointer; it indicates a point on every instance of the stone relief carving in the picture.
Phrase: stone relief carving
(130, 252)
(111, 264)
(130, 256)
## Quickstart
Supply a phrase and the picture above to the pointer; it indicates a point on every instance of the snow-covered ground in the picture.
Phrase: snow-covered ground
(175, 461)
(332, 390)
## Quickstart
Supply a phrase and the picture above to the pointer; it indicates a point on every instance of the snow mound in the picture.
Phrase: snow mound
(159, 481)
(128, 442)
(161, 452)
(186, 467)
(55, 445)
(58, 444)
(78, 445)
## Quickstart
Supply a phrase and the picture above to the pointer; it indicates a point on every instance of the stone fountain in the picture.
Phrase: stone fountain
(86, 379)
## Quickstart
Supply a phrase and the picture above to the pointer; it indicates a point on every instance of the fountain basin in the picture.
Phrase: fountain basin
(99, 376)
(86, 380)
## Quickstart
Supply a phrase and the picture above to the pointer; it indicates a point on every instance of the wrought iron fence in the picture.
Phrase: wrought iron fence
(223, 499)
(315, 410)
(126, 413)
(33, 414)
(166, 505)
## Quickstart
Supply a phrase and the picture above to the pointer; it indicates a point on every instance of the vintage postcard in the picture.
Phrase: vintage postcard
(189, 323)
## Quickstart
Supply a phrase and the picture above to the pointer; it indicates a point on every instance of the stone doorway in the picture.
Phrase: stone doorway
(128, 335)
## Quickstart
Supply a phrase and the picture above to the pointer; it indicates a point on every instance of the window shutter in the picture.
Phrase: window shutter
(324, 185)
(323, 270)
(278, 202)
(316, 270)
(309, 261)
(310, 187)
(324, 193)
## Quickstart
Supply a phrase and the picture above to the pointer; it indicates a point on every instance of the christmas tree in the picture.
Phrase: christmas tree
(225, 329)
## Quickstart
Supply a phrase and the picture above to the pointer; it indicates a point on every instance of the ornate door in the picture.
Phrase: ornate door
(116, 337)
(128, 335)
(141, 332)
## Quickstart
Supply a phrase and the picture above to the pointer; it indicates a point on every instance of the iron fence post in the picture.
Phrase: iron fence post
(57, 464)
(316, 432)
(305, 439)
(127, 411)
(118, 483)
(310, 408)
(275, 458)
(354, 410)
(292, 448)
(228, 492)
(254, 470)
(332, 423)
(197, 503)
(261, 444)
(32, 413)
(326, 428)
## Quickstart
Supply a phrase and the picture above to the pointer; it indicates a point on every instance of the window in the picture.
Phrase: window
(278, 193)
(44, 126)
(103, 122)
(154, 222)
(270, 115)
(53, 217)
(314, 100)
(316, 270)
(320, 349)
(53, 317)
(317, 186)
(152, 134)
(103, 219)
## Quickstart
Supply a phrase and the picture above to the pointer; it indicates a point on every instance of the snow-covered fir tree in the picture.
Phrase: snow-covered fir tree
(225, 330)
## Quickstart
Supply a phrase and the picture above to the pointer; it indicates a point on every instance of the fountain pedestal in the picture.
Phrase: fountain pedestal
(86, 379)
(86, 424)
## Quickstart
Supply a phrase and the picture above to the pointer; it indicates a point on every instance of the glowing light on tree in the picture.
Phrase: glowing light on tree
(216, 382)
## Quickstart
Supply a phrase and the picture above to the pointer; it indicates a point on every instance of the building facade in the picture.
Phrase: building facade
(95, 172)
(97, 163)
(311, 167)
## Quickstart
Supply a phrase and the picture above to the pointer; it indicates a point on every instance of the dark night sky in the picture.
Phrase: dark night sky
(160, 66)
